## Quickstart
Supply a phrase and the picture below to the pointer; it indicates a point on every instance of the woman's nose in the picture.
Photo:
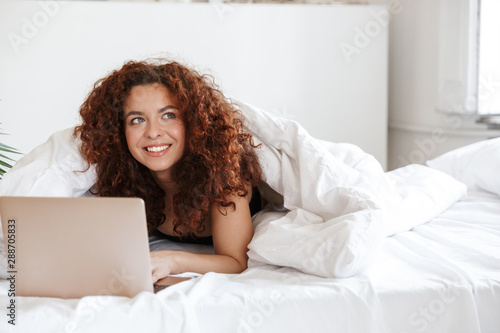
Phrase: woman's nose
(154, 130)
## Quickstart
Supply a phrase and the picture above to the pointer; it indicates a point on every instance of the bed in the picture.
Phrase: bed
(357, 249)
(415, 274)
(440, 277)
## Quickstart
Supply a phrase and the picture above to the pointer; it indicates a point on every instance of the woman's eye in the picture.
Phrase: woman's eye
(169, 115)
(137, 120)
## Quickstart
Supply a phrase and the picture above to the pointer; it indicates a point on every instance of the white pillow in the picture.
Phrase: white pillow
(477, 165)
(53, 169)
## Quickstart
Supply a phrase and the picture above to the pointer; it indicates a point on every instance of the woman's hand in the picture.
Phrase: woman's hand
(162, 264)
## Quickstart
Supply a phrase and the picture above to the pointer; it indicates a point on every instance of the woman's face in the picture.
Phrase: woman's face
(154, 130)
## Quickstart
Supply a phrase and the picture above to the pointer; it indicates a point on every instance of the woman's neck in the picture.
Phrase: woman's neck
(165, 182)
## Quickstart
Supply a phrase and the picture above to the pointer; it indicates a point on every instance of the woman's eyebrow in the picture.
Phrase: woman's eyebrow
(168, 107)
(133, 113)
(140, 113)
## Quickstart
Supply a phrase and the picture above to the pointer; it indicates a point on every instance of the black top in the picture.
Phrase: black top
(192, 240)
(255, 206)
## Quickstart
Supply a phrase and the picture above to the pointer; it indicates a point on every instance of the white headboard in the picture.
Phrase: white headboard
(289, 59)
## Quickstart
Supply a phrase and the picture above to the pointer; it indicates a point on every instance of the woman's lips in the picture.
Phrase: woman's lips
(156, 149)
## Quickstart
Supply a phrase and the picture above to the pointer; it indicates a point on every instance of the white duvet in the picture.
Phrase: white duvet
(338, 206)
(422, 281)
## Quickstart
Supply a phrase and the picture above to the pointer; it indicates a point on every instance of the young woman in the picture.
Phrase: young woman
(163, 132)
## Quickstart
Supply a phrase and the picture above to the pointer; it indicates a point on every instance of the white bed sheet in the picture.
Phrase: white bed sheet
(442, 276)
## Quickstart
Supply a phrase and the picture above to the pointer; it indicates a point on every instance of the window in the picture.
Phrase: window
(469, 57)
(457, 48)
(489, 58)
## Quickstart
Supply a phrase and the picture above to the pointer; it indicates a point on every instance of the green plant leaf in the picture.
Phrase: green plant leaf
(2, 156)
(8, 149)
(4, 165)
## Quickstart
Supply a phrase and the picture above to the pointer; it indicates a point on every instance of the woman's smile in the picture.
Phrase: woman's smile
(157, 149)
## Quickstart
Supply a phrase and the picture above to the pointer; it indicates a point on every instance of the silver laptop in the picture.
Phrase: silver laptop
(75, 247)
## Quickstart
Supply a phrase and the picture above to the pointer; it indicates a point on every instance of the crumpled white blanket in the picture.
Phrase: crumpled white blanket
(336, 205)
(340, 203)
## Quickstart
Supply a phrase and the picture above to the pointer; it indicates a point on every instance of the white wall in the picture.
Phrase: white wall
(284, 58)
(416, 131)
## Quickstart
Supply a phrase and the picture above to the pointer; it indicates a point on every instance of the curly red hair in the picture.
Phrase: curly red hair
(219, 159)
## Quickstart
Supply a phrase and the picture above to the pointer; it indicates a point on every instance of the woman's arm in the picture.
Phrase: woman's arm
(231, 232)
